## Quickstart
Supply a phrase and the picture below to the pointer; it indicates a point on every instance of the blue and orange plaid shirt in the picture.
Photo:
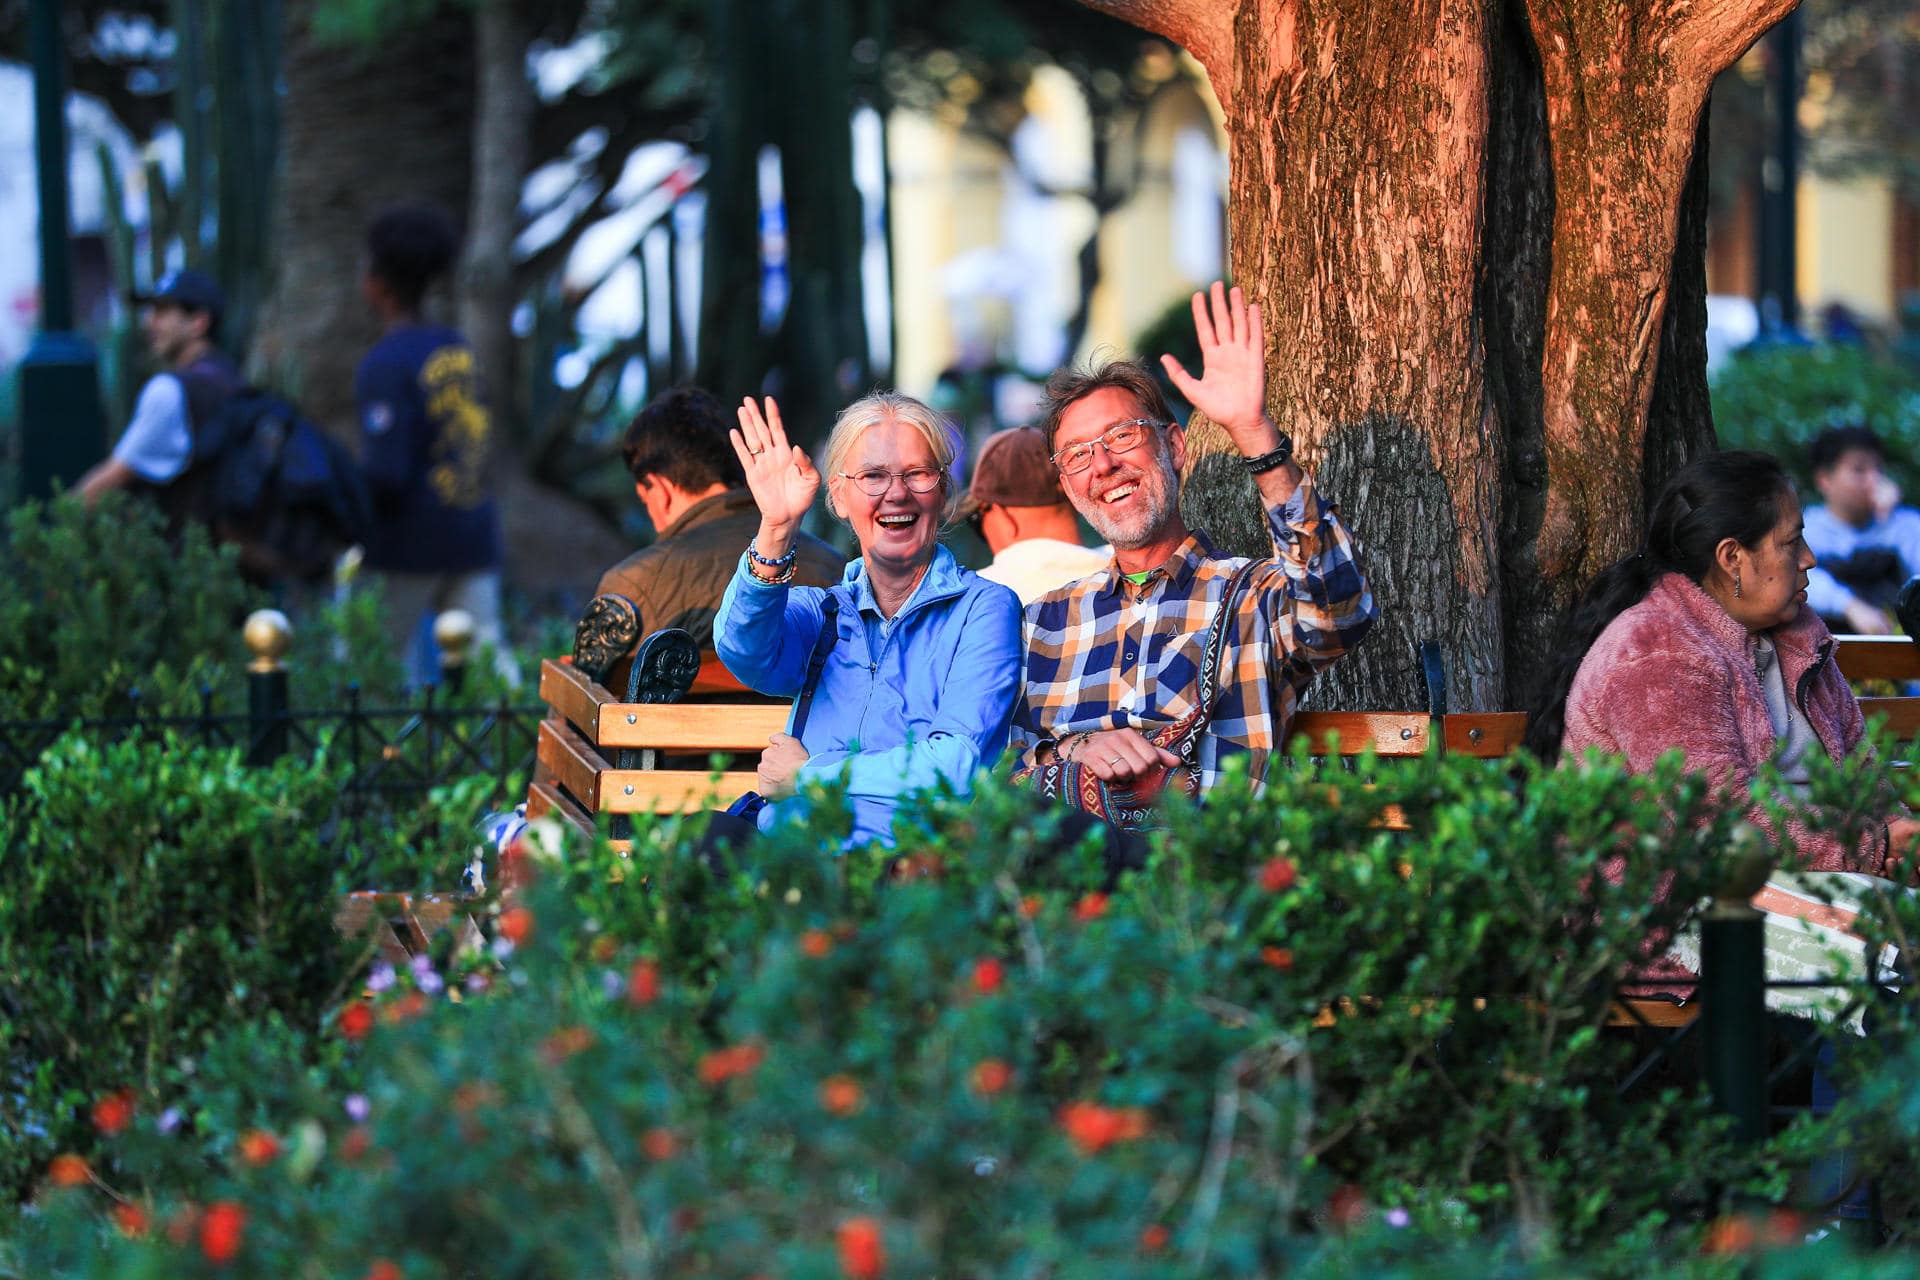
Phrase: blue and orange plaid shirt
(1104, 653)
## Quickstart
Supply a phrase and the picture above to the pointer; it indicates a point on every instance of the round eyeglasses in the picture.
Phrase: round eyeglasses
(875, 481)
(1118, 438)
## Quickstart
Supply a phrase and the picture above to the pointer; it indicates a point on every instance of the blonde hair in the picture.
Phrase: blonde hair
(881, 406)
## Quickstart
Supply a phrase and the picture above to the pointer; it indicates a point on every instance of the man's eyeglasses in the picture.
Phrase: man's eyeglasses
(875, 481)
(1118, 438)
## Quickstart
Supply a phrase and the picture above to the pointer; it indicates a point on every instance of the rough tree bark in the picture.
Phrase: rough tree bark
(782, 78)
(364, 128)
(409, 101)
(502, 139)
(1464, 219)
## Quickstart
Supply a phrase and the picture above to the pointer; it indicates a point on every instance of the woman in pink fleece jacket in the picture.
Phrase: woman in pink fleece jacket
(1701, 641)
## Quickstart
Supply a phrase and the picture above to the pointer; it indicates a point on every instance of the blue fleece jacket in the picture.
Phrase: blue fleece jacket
(903, 702)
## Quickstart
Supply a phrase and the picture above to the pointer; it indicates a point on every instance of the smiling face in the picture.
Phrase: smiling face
(1131, 499)
(898, 529)
(1773, 573)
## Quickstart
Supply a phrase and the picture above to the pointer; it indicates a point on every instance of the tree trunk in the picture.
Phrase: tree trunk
(361, 128)
(782, 78)
(367, 127)
(502, 137)
(1466, 252)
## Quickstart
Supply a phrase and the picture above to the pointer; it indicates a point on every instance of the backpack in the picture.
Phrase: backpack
(267, 479)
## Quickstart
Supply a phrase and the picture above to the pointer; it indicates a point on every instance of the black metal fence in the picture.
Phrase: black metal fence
(390, 756)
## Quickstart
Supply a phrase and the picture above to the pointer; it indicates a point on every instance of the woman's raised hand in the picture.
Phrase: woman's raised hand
(781, 476)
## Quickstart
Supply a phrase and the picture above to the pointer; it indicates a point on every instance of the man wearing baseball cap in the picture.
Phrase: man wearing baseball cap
(1020, 511)
(182, 325)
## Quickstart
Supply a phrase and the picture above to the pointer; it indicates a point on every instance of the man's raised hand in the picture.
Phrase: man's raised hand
(1232, 388)
(781, 476)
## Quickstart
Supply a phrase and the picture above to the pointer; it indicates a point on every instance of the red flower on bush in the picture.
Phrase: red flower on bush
(405, 1009)
(991, 1076)
(603, 948)
(722, 1065)
(1090, 907)
(221, 1229)
(841, 1095)
(473, 1095)
(1347, 1206)
(1732, 1233)
(382, 1269)
(1031, 904)
(862, 1256)
(356, 1144)
(113, 1112)
(356, 1020)
(643, 983)
(566, 1042)
(1093, 1128)
(659, 1144)
(1280, 958)
(816, 943)
(516, 925)
(988, 974)
(69, 1170)
(258, 1147)
(131, 1220)
(1154, 1238)
(1277, 876)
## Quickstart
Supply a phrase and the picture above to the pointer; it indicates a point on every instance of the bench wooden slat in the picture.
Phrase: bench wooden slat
(571, 695)
(572, 761)
(1389, 733)
(1877, 657)
(689, 727)
(1630, 1012)
(544, 799)
(1902, 714)
(1483, 734)
(671, 790)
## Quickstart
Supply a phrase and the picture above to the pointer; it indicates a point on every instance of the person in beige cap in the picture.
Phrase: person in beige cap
(1020, 511)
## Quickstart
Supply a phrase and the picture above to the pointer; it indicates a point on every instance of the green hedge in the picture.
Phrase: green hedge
(1778, 398)
(976, 1064)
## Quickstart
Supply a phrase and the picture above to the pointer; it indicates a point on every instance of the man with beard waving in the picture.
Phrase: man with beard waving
(1152, 673)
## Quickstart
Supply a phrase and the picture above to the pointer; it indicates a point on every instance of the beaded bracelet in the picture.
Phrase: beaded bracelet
(781, 563)
(786, 568)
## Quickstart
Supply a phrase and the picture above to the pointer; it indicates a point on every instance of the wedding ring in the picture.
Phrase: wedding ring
(1113, 759)
(756, 452)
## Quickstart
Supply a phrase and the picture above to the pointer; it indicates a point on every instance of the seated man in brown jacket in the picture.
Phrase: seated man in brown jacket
(691, 485)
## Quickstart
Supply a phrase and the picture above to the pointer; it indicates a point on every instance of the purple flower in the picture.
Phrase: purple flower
(169, 1120)
(381, 976)
(358, 1108)
(612, 984)
(425, 979)
(1398, 1217)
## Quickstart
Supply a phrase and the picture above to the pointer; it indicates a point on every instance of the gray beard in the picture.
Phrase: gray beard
(1159, 510)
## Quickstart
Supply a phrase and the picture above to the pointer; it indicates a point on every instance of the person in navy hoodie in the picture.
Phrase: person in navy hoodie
(426, 437)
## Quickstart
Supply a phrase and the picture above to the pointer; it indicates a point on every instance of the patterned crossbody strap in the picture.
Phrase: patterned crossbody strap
(1213, 660)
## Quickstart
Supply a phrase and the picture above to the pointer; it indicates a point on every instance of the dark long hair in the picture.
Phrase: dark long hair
(1737, 494)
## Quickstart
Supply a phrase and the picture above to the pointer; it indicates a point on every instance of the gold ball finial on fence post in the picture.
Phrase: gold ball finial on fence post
(453, 633)
(268, 636)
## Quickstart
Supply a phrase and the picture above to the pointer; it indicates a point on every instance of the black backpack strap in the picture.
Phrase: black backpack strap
(817, 661)
(208, 383)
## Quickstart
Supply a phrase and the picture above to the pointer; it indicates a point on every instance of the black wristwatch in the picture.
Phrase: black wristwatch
(1266, 462)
